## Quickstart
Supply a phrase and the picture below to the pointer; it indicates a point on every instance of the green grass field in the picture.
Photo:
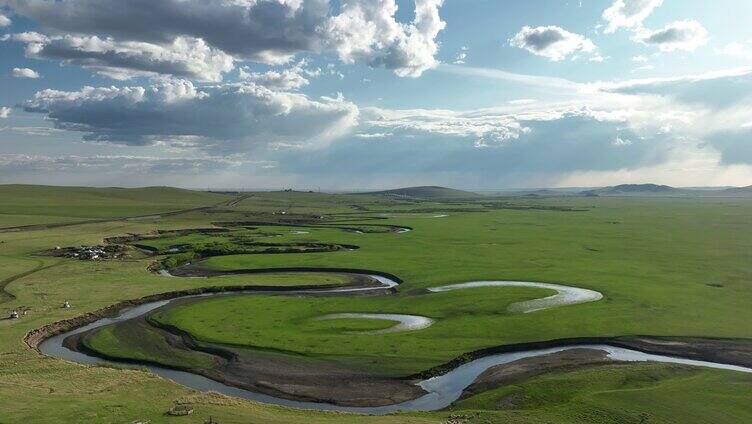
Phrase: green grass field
(642, 393)
(465, 321)
(34, 204)
(673, 267)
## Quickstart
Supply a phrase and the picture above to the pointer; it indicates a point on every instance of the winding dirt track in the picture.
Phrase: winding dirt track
(5, 295)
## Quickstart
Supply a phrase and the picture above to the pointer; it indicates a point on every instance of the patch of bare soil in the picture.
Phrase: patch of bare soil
(319, 381)
(725, 351)
(280, 374)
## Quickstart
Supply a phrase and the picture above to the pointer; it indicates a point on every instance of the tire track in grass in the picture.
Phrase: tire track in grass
(5, 295)
(35, 227)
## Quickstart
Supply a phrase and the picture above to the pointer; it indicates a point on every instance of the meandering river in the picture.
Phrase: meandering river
(441, 390)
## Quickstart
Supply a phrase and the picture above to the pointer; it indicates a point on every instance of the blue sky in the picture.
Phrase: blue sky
(338, 94)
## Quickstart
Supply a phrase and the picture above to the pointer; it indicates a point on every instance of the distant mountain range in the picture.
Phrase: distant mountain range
(639, 190)
(656, 190)
(623, 190)
(632, 190)
(745, 191)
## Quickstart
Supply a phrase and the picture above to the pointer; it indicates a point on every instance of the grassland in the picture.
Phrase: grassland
(643, 393)
(665, 266)
(465, 321)
(26, 205)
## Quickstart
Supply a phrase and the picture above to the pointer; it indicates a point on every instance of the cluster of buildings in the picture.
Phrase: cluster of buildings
(91, 253)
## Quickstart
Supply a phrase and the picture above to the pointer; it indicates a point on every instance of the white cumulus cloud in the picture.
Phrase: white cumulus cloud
(25, 73)
(628, 13)
(552, 42)
(4, 21)
(4, 112)
(685, 35)
(367, 30)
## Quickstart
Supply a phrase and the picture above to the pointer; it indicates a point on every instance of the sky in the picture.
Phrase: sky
(370, 94)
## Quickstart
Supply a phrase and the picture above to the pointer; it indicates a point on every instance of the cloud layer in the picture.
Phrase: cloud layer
(606, 131)
(285, 80)
(557, 130)
(183, 57)
(152, 37)
(524, 153)
(696, 124)
(232, 117)
(109, 163)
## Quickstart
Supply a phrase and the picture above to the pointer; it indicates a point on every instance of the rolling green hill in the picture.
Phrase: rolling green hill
(428, 192)
(44, 204)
